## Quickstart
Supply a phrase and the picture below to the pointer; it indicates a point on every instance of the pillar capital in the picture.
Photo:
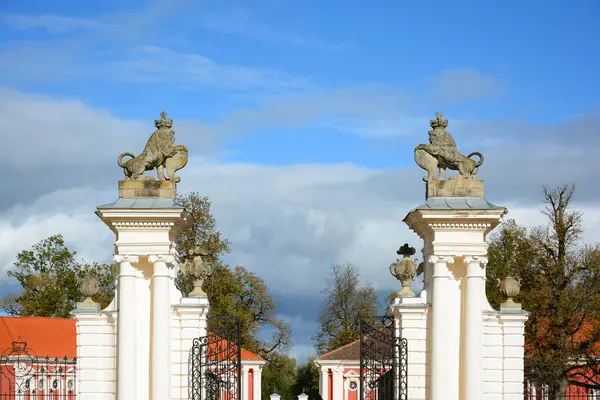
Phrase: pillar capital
(483, 260)
(126, 258)
(168, 259)
(435, 258)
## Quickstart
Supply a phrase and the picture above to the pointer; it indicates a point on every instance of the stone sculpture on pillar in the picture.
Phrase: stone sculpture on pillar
(158, 154)
(198, 269)
(442, 153)
(405, 270)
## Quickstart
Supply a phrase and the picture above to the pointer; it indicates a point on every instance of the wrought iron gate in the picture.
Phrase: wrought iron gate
(26, 375)
(215, 361)
(383, 361)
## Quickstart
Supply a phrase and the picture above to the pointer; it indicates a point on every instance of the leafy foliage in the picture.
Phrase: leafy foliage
(49, 275)
(346, 303)
(231, 291)
(278, 376)
(307, 380)
(242, 293)
(201, 232)
(560, 287)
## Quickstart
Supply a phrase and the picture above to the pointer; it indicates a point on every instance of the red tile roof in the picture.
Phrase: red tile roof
(222, 344)
(45, 337)
(350, 351)
(52, 337)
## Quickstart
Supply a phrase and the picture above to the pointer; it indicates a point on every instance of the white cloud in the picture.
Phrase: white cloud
(465, 84)
(65, 212)
(151, 64)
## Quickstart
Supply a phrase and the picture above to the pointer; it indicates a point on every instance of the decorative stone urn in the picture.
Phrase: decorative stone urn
(405, 270)
(510, 287)
(198, 269)
(89, 287)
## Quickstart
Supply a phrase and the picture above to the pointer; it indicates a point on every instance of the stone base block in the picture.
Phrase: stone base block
(132, 189)
(454, 188)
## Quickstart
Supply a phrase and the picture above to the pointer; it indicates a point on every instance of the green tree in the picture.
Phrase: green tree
(231, 291)
(346, 304)
(560, 287)
(202, 232)
(48, 274)
(240, 292)
(307, 380)
(278, 376)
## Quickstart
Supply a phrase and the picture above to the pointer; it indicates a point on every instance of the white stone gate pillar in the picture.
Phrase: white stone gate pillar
(443, 311)
(161, 322)
(126, 327)
(454, 230)
(146, 230)
(475, 289)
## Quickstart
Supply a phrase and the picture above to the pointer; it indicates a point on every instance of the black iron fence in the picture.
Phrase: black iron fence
(25, 375)
(383, 361)
(215, 361)
(570, 393)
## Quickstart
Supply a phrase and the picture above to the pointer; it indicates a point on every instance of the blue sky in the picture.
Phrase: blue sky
(310, 104)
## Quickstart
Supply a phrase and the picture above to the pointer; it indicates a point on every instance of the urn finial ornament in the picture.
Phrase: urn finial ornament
(510, 287)
(405, 270)
(199, 269)
(89, 287)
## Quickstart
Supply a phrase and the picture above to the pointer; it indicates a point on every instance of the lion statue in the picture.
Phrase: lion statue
(441, 153)
(159, 153)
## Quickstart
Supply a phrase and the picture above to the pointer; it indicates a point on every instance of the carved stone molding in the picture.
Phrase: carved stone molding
(143, 224)
(478, 226)
(441, 259)
(119, 258)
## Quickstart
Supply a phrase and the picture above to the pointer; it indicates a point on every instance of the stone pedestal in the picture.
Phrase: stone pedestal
(464, 334)
(411, 315)
(148, 188)
(189, 323)
(96, 354)
(454, 188)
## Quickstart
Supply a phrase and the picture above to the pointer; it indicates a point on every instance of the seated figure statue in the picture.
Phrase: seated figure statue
(441, 153)
(158, 153)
